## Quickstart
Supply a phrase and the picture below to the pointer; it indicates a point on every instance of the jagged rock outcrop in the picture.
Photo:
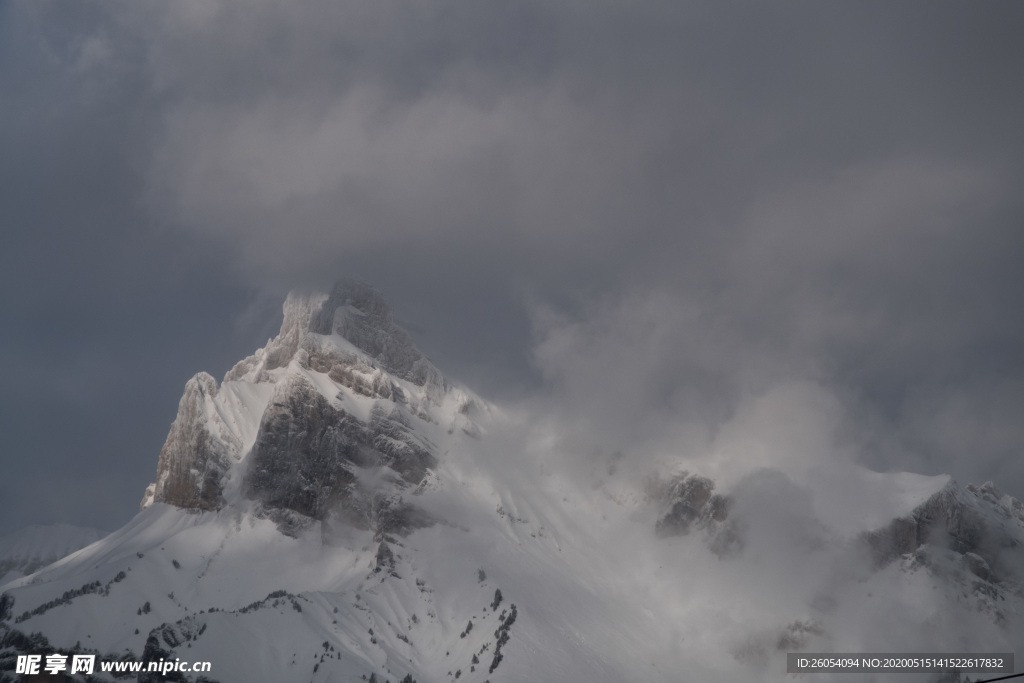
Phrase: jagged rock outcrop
(299, 309)
(692, 503)
(972, 522)
(307, 451)
(331, 398)
(6, 606)
(359, 313)
(196, 454)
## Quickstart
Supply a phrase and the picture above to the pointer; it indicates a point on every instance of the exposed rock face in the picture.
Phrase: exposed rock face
(304, 452)
(307, 451)
(298, 312)
(349, 370)
(6, 606)
(971, 522)
(194, 458)
(392, 515)
(358, 313)
(943, 517)
(693, 504)
(299, 309)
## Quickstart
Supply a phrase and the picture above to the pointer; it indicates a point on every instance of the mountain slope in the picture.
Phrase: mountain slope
(336, 509)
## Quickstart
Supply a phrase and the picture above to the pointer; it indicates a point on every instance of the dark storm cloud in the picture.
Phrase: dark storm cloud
(717, 209)
(106, 312)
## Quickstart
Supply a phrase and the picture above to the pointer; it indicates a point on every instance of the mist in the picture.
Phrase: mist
(703, 231)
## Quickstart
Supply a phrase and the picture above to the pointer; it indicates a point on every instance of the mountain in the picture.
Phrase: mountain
(335, 509)
(27, 550)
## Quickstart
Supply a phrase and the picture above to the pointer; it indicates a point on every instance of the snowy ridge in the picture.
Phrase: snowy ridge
(27, 550)
(337, 509)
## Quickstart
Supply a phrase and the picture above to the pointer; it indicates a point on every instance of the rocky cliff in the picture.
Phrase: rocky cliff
(338, 394)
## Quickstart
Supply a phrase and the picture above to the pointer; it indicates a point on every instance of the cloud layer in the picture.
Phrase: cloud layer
(647, 222)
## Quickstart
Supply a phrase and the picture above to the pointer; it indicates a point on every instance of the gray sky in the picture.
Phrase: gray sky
(648, 222)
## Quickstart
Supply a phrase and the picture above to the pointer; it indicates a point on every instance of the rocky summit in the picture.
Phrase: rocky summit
(330, 404)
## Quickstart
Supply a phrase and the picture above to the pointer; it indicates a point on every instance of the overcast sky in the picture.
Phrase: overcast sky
(652, 223)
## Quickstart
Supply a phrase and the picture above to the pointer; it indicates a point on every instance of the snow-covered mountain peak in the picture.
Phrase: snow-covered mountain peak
(352, 312)
(340, 391)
